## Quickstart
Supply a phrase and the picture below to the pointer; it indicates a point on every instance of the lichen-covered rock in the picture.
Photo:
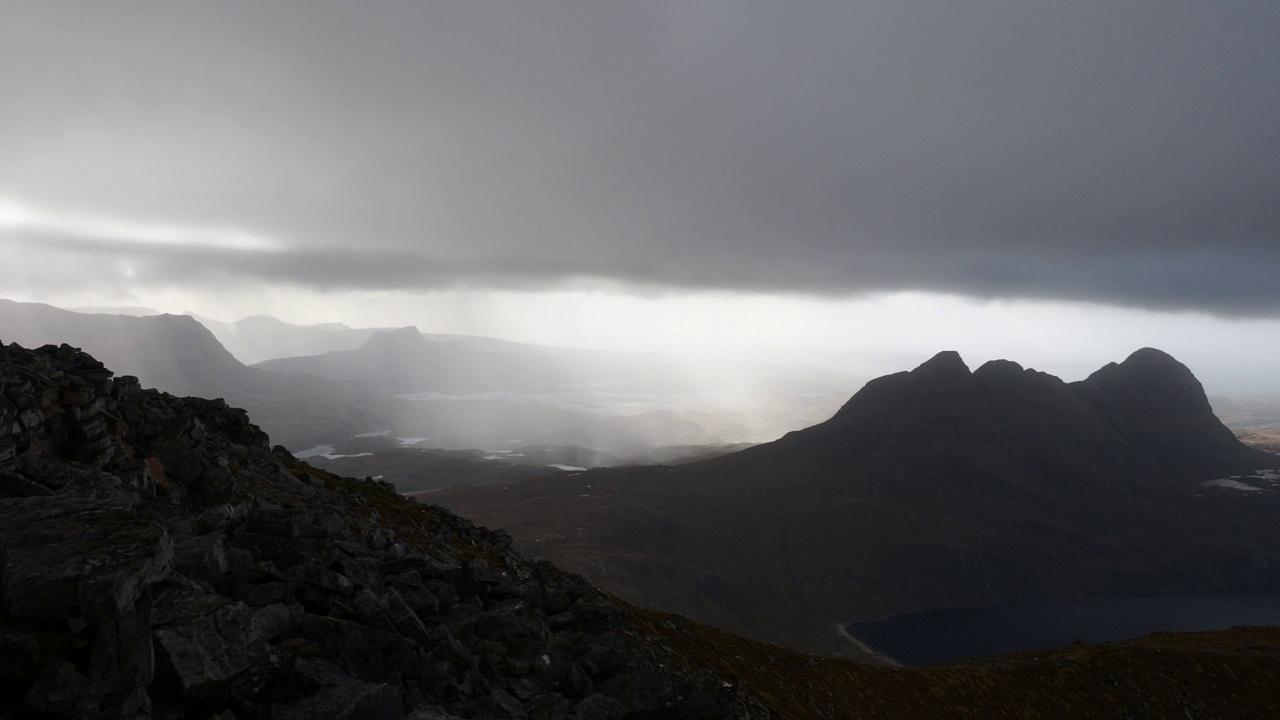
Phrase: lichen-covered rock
(65, 556)
(63, 692)
(211, 649)
(350, 701)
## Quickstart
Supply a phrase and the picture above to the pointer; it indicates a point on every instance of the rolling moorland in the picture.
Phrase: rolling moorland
(1255, 419)
(413, 469)
(162, 559)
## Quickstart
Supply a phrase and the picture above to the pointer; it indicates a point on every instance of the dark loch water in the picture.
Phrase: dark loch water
(941, 636)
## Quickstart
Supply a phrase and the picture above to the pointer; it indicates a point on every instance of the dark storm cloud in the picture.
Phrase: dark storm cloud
(1118, 152)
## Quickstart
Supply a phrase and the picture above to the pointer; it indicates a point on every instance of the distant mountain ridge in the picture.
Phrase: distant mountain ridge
(171, 351)
(937, 487)
(1148, 414)
(403, 361)
(179, 355)
(258, 338)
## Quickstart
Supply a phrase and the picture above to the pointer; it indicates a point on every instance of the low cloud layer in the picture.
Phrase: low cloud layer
(1115, 152)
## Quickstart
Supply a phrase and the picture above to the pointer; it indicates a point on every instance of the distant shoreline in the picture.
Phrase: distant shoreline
(842, 631)
(947, 635)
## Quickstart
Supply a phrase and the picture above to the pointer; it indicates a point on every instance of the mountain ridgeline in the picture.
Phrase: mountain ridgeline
(179, 355)
(258, 338)
(1143, 421)
(933, 488)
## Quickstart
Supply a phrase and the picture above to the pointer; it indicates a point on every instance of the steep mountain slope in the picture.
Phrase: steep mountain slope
(170, 351)
(159, 560)
(931, 488)
(175, 353)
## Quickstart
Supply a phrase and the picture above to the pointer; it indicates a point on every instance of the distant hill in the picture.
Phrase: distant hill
(584, 395)
(259, 338)
(172, 352)
(938, 487)
(177, 354)
(262, 337)
(403, 361)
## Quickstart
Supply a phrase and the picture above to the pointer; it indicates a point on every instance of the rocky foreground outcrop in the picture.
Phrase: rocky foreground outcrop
(160, 558)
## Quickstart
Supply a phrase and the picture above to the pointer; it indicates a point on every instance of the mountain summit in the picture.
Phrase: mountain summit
(405, 339)
(1147, 417)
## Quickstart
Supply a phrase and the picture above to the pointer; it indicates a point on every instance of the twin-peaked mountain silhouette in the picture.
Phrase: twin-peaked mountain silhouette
(937, 487)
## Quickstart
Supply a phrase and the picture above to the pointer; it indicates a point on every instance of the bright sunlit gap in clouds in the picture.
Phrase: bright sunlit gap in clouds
(16, 217)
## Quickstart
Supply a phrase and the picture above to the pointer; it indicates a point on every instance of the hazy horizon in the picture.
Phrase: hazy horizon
(1190, 338)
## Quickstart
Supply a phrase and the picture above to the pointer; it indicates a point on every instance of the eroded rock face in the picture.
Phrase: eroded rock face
(158, 558)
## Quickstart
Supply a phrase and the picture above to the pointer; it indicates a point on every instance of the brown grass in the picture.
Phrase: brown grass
(1263, 438)
(1228, 674)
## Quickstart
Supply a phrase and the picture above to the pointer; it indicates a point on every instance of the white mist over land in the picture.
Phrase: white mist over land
(860, 337)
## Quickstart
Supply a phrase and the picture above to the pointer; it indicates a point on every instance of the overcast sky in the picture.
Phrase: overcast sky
(677, 162)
